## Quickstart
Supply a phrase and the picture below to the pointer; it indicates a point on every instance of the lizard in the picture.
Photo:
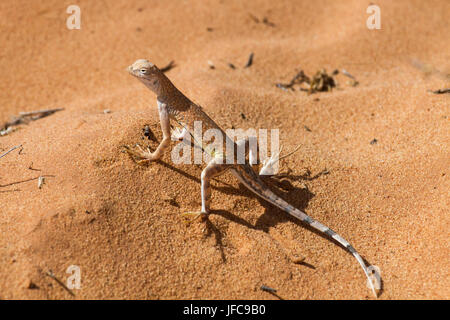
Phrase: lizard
(174, 105)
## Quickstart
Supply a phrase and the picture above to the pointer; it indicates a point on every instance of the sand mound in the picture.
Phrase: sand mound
(121, 224)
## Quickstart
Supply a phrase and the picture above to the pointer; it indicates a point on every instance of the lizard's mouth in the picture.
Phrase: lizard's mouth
(129, 69)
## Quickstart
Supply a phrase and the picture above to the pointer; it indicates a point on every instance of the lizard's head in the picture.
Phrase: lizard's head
(145, 71)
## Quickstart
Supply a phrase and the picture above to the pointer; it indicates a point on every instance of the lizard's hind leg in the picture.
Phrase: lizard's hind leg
(249, 146)
(214, 168)
(268, 164)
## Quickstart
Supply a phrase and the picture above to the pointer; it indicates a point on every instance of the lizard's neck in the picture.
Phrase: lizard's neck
(167, 93)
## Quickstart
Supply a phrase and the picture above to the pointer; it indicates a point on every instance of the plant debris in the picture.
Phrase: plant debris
(30, 167)
(298, 260)
(10, 150)
(255, 19)
(428, 69)
(374, 141)
(26, 117)
(321, 81)
(265, 20)
(41, 182)
(268, 23)
(51, 275)
(299, 78)
(268, 289)
(172, 201)
(23, 181)
(249, 61)
(232, 66)
(7, 131)
(441, 91)
(353, 82)
(168, 67)
(32, 285)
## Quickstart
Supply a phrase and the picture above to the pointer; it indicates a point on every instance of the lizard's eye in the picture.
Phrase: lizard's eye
(143, 71)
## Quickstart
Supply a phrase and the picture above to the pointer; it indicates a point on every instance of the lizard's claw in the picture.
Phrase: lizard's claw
(196, 215)
(130, 151)
(140, 157)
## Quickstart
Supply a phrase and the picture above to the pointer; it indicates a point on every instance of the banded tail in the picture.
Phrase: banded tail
(248, 177)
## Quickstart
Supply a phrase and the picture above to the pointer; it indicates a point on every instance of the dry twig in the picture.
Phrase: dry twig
(25, 117)
(51, 275)
(10, 150)
(441, 91)
(250, 61)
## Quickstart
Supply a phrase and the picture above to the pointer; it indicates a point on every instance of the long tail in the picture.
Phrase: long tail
(247, 176)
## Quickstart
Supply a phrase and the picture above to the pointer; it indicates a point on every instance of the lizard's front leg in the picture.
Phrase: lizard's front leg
(146, 156)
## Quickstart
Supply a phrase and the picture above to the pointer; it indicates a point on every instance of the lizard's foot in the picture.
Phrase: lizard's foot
(267, 168)
(195, 214)
(140, 156)
(268, 164)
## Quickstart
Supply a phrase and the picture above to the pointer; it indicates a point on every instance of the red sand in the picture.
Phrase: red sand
(115, 219)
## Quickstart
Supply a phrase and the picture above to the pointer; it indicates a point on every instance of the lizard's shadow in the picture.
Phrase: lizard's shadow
(273, 215)
(280, 185)
(297, 197)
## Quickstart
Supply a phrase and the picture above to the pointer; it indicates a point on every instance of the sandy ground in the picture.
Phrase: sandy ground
(120, 222)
